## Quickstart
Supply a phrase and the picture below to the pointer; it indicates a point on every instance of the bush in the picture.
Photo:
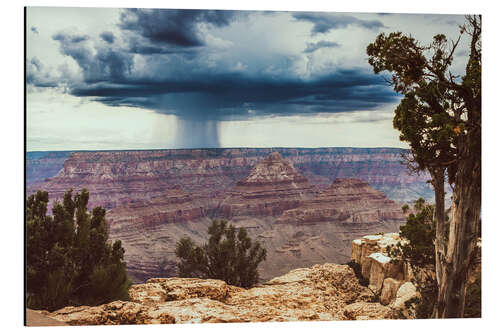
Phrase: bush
(228, 256)
(69, 260)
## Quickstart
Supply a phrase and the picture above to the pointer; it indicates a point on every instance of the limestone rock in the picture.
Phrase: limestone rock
(114, 313)
(322, 292)
(383, 267)
(389, 290)
(406, 292)
(368, 311)
(362, 250)
(159, 290)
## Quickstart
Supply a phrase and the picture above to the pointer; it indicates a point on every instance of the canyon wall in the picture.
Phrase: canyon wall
(278, 206)
(116, 177)
(286, 198)
(43, 165)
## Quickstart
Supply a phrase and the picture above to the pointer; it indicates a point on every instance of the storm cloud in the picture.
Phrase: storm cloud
(178, 62)
(175, 28)
(108, 36)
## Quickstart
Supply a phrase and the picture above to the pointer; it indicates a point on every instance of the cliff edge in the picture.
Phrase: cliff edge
(322, 292)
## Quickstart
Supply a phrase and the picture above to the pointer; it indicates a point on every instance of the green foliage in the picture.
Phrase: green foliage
(69, 260)
(229, 256)
(417, 249)
(419, 234)
(425, 116)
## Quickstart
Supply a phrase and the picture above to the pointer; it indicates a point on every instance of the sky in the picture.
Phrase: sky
(105, 79)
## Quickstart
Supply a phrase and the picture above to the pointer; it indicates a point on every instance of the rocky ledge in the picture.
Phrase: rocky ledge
(322, 292)
(393, 280)
(389, 279)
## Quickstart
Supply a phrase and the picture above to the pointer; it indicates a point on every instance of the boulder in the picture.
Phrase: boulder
(389, 290)
(406, 292)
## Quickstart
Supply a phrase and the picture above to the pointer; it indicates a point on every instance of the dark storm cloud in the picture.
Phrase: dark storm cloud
(174, 27)
(177, 81)
(34, 30)
(108, 37)
(324, 22)
(222, 96)
(311, 47)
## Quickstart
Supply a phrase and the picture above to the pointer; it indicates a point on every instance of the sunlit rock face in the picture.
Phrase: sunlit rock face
(388, 278)
(322, 292)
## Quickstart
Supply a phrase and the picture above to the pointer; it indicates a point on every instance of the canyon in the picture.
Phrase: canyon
(305, 206)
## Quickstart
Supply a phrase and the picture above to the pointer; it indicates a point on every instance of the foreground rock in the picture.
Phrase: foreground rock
(391, 280)
(394, 281)
(38, 319)
(322, 292)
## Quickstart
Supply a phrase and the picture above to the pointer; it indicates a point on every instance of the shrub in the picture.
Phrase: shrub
(229, 256)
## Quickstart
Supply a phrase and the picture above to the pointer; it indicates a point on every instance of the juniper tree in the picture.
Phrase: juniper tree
(229, 255)
(69, 259)
(440, 117)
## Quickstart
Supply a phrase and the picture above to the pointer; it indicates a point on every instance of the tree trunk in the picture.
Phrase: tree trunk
(437, 175)
(464, 229)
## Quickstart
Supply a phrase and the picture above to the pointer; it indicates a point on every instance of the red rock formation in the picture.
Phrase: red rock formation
(273, 186)
(115, 177)
(348, 201)
(147, 230)
(175, 205)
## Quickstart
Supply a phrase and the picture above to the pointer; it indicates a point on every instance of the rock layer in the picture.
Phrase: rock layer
(273, 186)
(275, 203)
(388, 278)
(322, 292)
(348, 201)
(114, 177)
